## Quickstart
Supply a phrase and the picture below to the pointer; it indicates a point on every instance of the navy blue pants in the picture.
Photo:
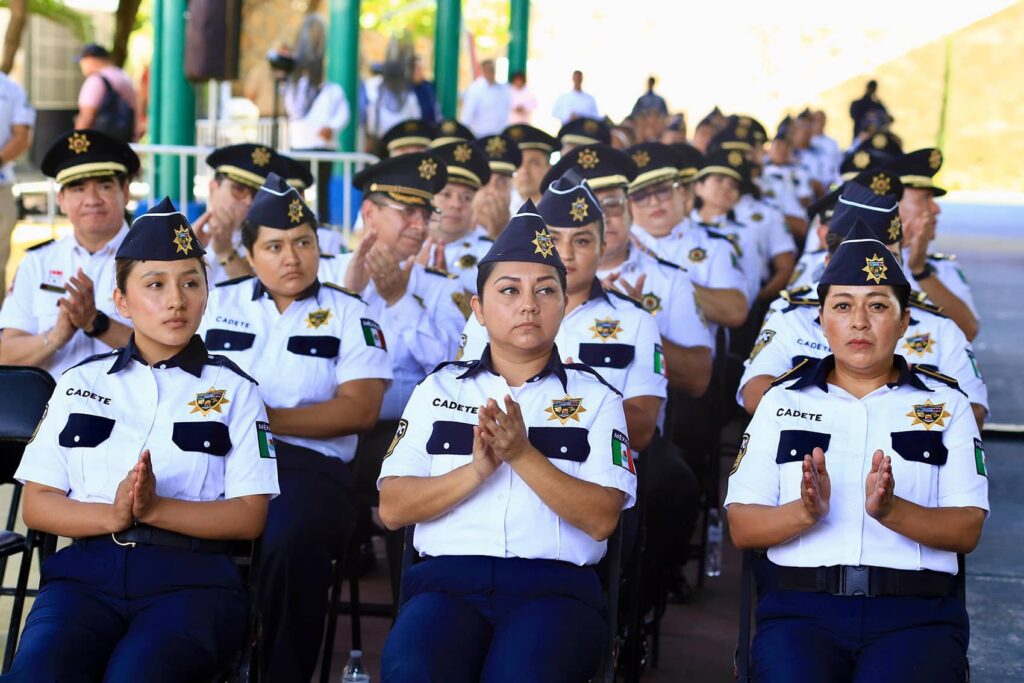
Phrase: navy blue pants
(110, 613)
(835, 639)
(308, 525)
(471, 618)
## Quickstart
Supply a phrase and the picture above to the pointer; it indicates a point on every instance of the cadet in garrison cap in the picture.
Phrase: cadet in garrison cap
(238, 171)
(491, 204)
(411, 135)
(452, 230)
(864, 476)
(320, 358)
(450, 130)
(937, 275)
(298, 174)
(151, 457)
(60, 308)
(510, 463)
(657, 204)
(583, 131)
(536, 147)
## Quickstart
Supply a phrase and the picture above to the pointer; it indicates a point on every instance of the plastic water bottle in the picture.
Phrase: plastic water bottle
(713, 552)
(354, 671)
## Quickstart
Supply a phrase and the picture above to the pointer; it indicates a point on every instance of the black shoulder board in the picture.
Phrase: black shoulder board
(343, 290)
(234, 281)
(717, 235)
(225, 362)
(457, 363)
(731, 239)
(795, 292)
(942, 257)
(41, 245)
(437, 271)
(582, 367)
(94, 357)
(934, 374)
(794, 372)
(624, 297)
(798, 296)
(670, 264)
(926, 305)
(328, 256)
(484, 238)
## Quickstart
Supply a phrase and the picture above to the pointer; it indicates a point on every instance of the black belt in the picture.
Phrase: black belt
(866, 581)
(143, 534)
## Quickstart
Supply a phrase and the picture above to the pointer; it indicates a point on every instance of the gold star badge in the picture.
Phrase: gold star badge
(78, 143)
(182, 240)
(641, 158)
(879, 141)
(606, 329)
(861, 160)
(515, 133)
(318, 318)
(881, 184)
(295, 210)
(462, 153)
(565, 409)
(261, 156)
(496, 146)
(209, 401)
(545, 245)
(448, 127)
(588, 159)
(929, 414)
(579, 209)
(935, 160)
(427, 169)
(590, 126)
(875, 269)
(895, 228)
(735, 158)
(919, 344)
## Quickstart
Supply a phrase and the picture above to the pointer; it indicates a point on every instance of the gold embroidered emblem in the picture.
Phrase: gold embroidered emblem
(515, 133)
(606, 329)
(295, 210)
(78, 143)
(651, 302)
(697, 254)
(881, 184)
(587, 159)
(261, 156)
(879, 141)
(861, 160)
(763, 340)
(448, 127)
(427, 169)
(895, 229)
(466, 261)
(462, 153)
(579, 209)
(496, 146)
(409, 127)
(565, 409)
(875, 268)
(929, 415)
(734, 158)
(744, 442)
(318, 318)
(183, 240)
(935, 160)
(209, 401)
(919, 344)
(641, 158)
(545, 245)
(590, 126)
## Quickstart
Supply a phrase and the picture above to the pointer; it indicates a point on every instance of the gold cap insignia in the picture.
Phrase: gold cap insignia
(295, 210)
(545, 245)
(496, 146)
(641, 158)
(515, 133)
(448, 127)
(209, 401)
(881, 184)
(261, 156)
(935, 160)
(579, 209)
(588, 159)
(78, 143)
(875, 269)
(427, 169)
(929, 414)
(183, 240)
(565, 409)
(895, 229)
(861, 160)
(590, 126)
(879, 141)
(409, 127)
(735, 158)
(606, 329)
(462, 153)
(318, 318)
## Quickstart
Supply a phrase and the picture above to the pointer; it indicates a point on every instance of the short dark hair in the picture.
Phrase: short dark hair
(517, 74)
(123, 268)
(251, 232)
(902, 293)
(484, 270)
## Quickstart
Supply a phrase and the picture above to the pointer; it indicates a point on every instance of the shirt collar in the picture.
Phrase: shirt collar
(554, 366)
(110, 247)
(819, 375)
(259, 291)
(597, 291)
(191, 359)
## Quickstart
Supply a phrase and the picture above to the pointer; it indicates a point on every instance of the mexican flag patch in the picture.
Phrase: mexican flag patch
(372, 333)
(622, 455)
(979, 458)
(659, 360)
(266, 441)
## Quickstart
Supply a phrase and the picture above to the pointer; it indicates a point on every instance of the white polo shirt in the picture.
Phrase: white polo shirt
(199, 415)
(299, 357)
(573, 418)
(926, 427)
(15, 110)
(31, 305)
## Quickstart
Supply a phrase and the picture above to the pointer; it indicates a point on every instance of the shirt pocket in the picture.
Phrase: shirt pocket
(86, 436)
(450, 445)
(567, 448)
(617, 356)
(229, 340)
(314, 346)
(794, 444)
(183, 475)
(916, 470)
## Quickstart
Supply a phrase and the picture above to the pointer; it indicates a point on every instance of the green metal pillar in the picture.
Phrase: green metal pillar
(447, 40)
(343, 61)
(177, 101)
(519, 35)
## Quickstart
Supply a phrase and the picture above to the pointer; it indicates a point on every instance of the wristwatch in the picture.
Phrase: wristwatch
(229, 258)
(927, 272)
(100, 324)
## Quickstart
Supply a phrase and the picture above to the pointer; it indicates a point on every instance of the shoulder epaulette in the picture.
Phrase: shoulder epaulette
(937, 256)
(731, 239)
(794, 372)
(442, 273)
(457, 363)
(234, 281)
(645, 249)
(625, 297)
(670, 264)
(795, 292)
(225, 362)
(328, 256)
(582, 367)
(925, 305)
(343, 290)
(798, 296)
(934, 374)
(47, 243)
(93, 358)
(484, 238)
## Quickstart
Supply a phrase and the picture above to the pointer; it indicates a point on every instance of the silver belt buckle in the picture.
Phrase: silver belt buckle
(126, 544)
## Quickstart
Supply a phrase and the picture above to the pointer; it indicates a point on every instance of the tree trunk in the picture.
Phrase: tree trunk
(12, 39)
(125, 18)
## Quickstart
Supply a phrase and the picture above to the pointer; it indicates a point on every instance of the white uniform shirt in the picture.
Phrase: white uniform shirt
(422, 329)
(462, 256)
(809, 268)
(785, 185)
(299, 357)
(215, 272)
(15, 110)
(572, 416)
(949, 273)
(610, 333)
(486, 106)
(39, 283)
(329, 109)
(330, 241)
(794, 333)
(926, 427)
(199, 415)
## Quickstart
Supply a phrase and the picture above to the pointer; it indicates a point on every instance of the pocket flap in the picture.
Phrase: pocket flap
(320, 347)
(85, 431)
(920, 446)
(229, 340)
(561, 443)
(794, 444)
(450, 438)
(616, 356)
(202, 437)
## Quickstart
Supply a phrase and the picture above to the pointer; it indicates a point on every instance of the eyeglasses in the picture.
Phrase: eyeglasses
(613, 207)
(662, 193)
(424, 213)
(240, 191)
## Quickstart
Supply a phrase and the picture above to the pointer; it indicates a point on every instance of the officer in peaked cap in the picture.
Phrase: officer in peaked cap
(450, 130)
(491, 205)
(690, 161)
(583, 131)
(536, 147)
(411, 135)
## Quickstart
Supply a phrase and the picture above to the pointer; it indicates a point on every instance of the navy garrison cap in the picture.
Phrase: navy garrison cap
(585, 131)
(416, 133)
(161, 234)
(410, 178)
(528, 137)
(466, 162)
(874, 198)
(655, 163)
(917, 169)
(602, 165)
(525, 240)
(863, 260)
(569, 203)
(85, 153)
(246, 163)
(503, 154)
(450, 130)
(279, 205)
